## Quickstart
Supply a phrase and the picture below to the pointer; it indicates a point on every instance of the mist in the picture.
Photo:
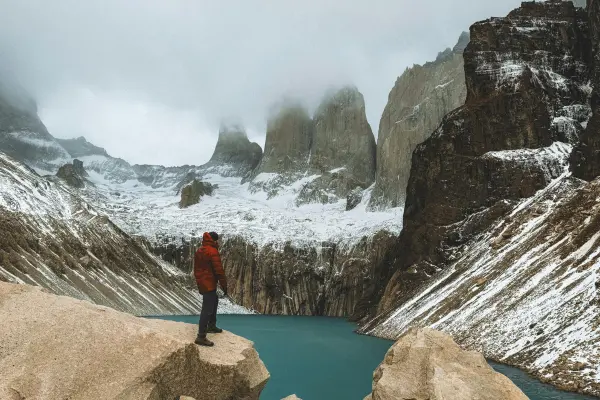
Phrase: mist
(150, 80)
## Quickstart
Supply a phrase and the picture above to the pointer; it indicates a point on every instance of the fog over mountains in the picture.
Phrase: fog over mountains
(128, 77)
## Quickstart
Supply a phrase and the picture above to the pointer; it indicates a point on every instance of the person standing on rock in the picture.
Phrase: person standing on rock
(208, 269)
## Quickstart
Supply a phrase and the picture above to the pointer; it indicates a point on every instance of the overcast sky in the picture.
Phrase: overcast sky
(150, 80)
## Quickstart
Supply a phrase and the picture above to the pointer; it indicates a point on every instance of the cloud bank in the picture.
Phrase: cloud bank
(150, 80)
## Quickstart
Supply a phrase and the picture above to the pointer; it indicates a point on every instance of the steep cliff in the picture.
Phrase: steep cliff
(23, 136)
(289, 138)
(526, 290)
(500, 246)
(585, 160)
(326, 279)
(342, 155)
(234, 154)
(527, 97)
(421, 97)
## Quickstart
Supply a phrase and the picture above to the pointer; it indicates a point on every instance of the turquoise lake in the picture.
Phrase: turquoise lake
(320, 358)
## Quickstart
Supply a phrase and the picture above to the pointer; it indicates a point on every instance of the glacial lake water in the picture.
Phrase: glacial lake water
(322, 358)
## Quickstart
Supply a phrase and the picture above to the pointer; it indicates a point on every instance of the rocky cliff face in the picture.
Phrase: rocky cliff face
(527, 95)
(329, 280)
(234, 154)
(343, 137)
(73, 174)
(72, 349)
(425, 364)
(325, 158)
(421, 97)
(585, 160)
(80, 147)
(23, 136)
(508, 267)
(289, 138)
(342, 155)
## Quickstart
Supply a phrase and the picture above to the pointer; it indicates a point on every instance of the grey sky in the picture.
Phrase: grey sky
(149, 80)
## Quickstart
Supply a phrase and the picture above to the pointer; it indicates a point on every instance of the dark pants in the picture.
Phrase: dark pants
(208, 315)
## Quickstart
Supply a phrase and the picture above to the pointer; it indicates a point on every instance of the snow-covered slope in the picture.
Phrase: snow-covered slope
(54, 239)
(524, 292)
(233, 210)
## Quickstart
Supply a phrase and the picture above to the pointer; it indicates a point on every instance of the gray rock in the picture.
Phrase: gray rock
(280, 278)
(23, 136)
(354, 198)
(192, 193)
(234, 154)
(289, 138)
(73, 174)
(343, 137)
(421, 97)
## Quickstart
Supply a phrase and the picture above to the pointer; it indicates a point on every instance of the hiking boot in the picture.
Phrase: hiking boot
(214, 329)
(202, 341)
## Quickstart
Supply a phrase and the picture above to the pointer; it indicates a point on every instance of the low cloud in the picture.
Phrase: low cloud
(150, 80)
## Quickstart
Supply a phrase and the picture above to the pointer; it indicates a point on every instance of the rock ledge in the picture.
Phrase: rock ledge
(67, 348)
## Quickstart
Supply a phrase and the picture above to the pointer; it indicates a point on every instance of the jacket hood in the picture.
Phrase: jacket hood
(207, 240)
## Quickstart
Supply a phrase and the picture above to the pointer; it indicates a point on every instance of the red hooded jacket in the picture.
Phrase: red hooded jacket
(207, 266)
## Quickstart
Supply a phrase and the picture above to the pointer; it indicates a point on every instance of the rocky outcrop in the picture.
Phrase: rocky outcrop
(73, 174)
(421, 97)
(326, 279)
(234, 154)
(526, 75)
(66, 348)
(80, 147)
(192, 193)
(343, 148)
(52, 238)
(585, 160)
(426, 364)
(326, 157)
(23, 136)
(289, 138)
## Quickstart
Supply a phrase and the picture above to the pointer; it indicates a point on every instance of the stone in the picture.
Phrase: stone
(23, 136)
(354, 198)
(428, 365)
(290, 131)
(292, 397)
(421, 97)
(282, 279)
(67, 348)
(192, 193)
(234, 154)
(585, 160)
(343, 137)
(503, 144)
(73, 174)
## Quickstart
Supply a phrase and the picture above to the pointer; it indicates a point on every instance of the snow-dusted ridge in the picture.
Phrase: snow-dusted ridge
(234, 210)
(54, 239)
(524, 292)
